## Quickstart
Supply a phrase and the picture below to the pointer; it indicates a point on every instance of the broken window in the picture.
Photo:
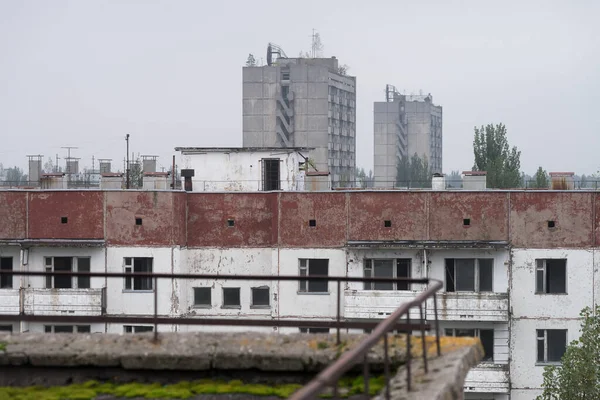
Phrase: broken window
(314, 267)
(270, 174)
(551, 276)
(551, 344)
(202, 296)
(231, 297)
(67, 328)
(469, 275)
(6, 281)
(138, 265)
(67, 264)
(390, 268)
(260, 297)
(314, 330)
(486, 336)
(138, 328)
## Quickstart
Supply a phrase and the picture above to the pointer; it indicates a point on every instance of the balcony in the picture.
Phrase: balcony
(89, 302)
(488, 378)
(461, 306)
(469, 306)
(9, 301)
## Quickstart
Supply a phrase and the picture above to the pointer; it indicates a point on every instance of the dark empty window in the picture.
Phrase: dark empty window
(83, 265)
(469, 275)
(314, 330)
(230, 223)
(6, 328)
(137, 328)
(67, 264)
(551, 276)
(83, 328)
(551, 344)
(312, 222)
(6, 281)
(314, 267)
(67, 329)
(390, 268)
(260, 296)
(202, 296)
(63, 220)
(138, 265)
(467, 221)
(270, 174)
(551, 224)
(387, 223)
(138, 221)
(231, 297)
(486, 336)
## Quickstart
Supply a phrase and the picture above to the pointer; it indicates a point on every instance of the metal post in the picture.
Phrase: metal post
(155, 310)
(366, 375)
(338, 311)
(408, 352)
(386, 366)
(127, 166)
(423, 338)
(437, 326)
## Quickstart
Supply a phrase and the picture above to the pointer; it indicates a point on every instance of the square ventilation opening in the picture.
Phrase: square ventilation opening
(138, 221)
(551, 224)
(230, 223)
(312, 222)
(387, 223)
(467, 222)
(64, 220)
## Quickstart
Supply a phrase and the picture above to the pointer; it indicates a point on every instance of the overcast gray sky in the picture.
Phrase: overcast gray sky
(85, 73)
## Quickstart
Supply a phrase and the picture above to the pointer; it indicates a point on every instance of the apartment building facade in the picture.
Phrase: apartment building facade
(303, 102)
(517, 266)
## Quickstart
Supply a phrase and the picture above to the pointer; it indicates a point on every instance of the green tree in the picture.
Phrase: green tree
(578, 376)
(15, 175)
(414, 172)
(541, 180)
(251, 61)
(492, 154)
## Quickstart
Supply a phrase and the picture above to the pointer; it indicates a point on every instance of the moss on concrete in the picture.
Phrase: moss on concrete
(182, 390)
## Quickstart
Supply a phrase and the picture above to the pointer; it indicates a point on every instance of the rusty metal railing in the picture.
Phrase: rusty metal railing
(328, 377)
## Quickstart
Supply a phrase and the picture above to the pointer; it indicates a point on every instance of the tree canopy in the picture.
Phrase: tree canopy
(414, 172)
(492, 154)
(578, 376)
(541, 180)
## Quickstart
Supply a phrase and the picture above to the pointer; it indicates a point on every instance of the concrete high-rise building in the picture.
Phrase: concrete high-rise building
(405, 125)
(303, 102)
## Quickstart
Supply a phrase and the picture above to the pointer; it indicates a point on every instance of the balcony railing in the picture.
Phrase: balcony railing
(488, 378)
(28, 301)
(460, 306)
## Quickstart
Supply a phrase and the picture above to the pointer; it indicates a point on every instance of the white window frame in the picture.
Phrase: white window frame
(476, 285)
(304, 270)
(541, 265)
(544, 337)
(129, 268)
(369, 267)
(49, 267)
(133, 328)
(74, 328)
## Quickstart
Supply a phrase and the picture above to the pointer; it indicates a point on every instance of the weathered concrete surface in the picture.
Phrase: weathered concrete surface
(13, 214)
(446, 376)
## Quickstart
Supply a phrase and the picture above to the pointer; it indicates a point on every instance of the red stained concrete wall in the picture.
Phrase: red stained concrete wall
(405, 210)
(83, 209)
(156, 211)
(487, 212)
(571, 211)
(13, 215)
(327, 209)
(254, 216)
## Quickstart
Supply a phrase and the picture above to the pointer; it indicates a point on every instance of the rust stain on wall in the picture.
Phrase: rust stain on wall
(66, 215)
(327, 210)
(486, 214)
(232, 219)
(405, 211)
(153, 209)
(13, 215)
(570, 211)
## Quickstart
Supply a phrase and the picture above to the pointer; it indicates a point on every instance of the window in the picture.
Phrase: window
(231, 298)
(67, 264)
(387, 223)
(391, 268)
(67, 329)
(202, 297)
(312, 222)
(551, 224)
(230, 223)
(64, 220)
(260, 297)
(138, 265)
(314, 267)
(270, 174)
(6, 281)
(138, 221)
(137, 328)
(314, 330)
(486, 336)
(6, 328)
(467, 222)
(469, 275)
(551, 344)
(551, 276)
